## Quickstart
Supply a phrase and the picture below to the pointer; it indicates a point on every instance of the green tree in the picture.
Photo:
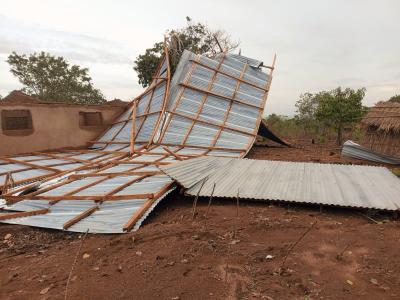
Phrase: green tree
(395, 98)
(306, 108)
(195, 37)
(338, 108)
(52, 78)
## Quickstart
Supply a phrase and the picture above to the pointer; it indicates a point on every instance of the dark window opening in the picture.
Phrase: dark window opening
(90, 119)
(16, 121)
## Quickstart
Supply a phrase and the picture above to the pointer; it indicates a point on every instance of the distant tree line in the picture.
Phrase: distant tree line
(324, 111)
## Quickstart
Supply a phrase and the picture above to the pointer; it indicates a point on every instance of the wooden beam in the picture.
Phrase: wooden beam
(173, 154)
(139, 213)
(205, 147)
(203, 99)
(166, 95)
(133, 129)
(230, 75)
(123, 186)
(111, 175)
(227, 112)
(24, 214)
(95, 197)
(223, 126)
(179, 98)
(14, 161)
(218, 95)
(79, 217)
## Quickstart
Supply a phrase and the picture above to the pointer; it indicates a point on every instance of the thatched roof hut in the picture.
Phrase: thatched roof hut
(382, 128)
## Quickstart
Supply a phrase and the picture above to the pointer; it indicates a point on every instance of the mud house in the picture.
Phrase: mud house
(29, 124)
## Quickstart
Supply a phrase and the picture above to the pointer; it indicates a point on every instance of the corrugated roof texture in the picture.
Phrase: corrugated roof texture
(215, 103)
(328, 184)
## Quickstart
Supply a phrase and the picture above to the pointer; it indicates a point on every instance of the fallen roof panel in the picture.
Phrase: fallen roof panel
(217, 113)
(354, 150)
(330, 184)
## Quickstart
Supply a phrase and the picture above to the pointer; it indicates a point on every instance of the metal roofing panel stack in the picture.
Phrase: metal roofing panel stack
(329, 184)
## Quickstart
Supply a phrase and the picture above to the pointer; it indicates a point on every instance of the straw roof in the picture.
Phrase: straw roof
(385, 116)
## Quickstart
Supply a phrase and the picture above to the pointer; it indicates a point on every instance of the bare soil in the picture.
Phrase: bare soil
(346, 254)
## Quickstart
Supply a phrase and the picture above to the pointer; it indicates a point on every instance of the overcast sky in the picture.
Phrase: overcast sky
(319, 44)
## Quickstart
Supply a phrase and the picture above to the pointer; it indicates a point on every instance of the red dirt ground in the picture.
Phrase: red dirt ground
(345, 255)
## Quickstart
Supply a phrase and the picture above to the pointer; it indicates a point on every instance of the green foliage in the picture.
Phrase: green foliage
(306, 108)
(395, 98)
(327, 111)
(52, 78)
(338, 108)
(284, 125)
(146, 64)
(195, 37)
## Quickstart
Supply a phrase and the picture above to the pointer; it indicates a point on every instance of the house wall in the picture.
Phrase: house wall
(54, 126)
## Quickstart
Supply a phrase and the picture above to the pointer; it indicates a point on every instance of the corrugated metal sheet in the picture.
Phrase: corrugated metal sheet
(354, 150)
(109, 218)
(215, 103)
(329, 184)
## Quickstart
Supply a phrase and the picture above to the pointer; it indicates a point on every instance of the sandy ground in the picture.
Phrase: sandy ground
(337, 253)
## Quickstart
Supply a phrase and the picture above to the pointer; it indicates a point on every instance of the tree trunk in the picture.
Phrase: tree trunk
(339, 136)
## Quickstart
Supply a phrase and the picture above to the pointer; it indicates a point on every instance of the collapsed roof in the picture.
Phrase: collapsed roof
(211, 107)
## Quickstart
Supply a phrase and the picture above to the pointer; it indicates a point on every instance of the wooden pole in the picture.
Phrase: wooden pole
(219, 45)
(196, 198)
(133, 130)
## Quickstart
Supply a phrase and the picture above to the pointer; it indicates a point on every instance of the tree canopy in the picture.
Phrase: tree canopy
(395, 98)
(52, 78)
(334, 109)
(195, 37)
